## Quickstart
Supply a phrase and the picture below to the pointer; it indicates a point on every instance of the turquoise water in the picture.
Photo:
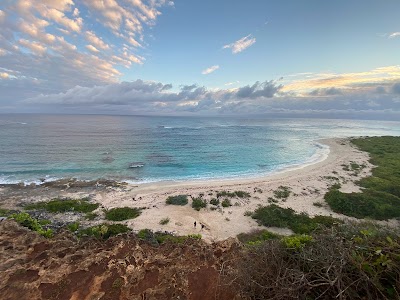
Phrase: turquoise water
(144, 149)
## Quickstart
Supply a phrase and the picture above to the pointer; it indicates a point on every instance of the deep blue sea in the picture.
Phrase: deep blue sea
(144, 149)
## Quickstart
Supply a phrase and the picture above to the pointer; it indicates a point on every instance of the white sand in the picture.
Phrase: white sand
(308, 185)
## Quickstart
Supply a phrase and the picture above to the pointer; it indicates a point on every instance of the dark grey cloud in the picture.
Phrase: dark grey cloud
(265, 89)
(326, 92)
(396, 88)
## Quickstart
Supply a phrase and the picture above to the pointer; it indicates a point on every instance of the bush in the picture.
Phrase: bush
(164, 221)
(64, 205)
(240, 194)
(177, 200)
(4, 212)
(157, 238)
(226, 203)
(91, 216)
(199, 203)
(214, 201)
(283, 192)
(104, 231)
(122, 213)
(256, 236)
(296, 242)
(275, 216)
(73, 226)
(26, 220)
(346, 262)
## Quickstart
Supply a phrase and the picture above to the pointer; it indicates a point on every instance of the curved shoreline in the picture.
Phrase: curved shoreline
(321, 153)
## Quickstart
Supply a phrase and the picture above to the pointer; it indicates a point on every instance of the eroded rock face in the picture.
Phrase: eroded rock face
(32, 267)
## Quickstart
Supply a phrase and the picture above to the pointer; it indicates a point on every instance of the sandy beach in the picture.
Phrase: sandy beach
(308, 185)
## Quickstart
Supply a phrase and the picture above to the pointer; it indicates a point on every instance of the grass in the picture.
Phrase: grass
(275, 216)
(157, 238)
(226, 203)
(380, 198)
(214, 201)
(122, 213)
(4, 212)
(91, 216)
(164, 221)
(283, 192)
(26, 220)
(73, 226)
(256, 236)
(104, 231)
(239, 194)
(199, 203)
(64, 205)
(177, 200)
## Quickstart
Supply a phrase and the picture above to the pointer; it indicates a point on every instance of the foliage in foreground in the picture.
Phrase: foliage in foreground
(122, 213)
(64, 205)
(347, 262)
(239, 194)
(26, 220)
(276, 216)
(177, 200)
(104, 231)
(380, 198)
(157, 238)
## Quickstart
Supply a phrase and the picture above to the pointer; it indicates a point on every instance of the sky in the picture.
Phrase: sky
(288, 58)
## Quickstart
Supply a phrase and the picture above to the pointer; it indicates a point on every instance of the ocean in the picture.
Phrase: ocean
(140, 149)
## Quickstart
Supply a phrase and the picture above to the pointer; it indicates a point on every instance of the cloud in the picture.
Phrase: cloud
(96, 41)
(92, 49)
(394, 35)
(396, 88)
(266, 89)
(241, 45)
(210, 70)
(35, 47)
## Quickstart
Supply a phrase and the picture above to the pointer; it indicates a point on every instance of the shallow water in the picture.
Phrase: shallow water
(144, 149)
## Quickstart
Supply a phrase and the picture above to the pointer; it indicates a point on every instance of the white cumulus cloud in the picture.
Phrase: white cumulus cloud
(241, 45)
(210, 70)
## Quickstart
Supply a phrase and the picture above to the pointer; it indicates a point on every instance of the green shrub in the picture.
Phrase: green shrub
(157, 238)
(64, 205)
(73, 226)
(164, 221)
(296, 242)
(256, 236)
(283, 192)
(26, 220)
(199, 203)
(122, 213)
(226, 203)
(380, 198)
(104, 231)
(214, 201)
(4, 212)
(242, 194)
(177, 200)
(275, 216)
(91, 216)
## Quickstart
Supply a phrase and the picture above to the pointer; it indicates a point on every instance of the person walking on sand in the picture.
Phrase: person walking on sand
(202, 226)
(195, 224)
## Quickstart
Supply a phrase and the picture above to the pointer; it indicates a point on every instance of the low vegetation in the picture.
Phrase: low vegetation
(276, 216)
(26, 220)
(177, 200)
(345, 262)
(214, 201)
(226, 203)
(164, 221)
(283, 192)
(239, 194)
(73, 226)
(199, 203)
(64, 205)
(380, 198)
(256, 237)
(157, 238)
(104, 231)
(122, 213)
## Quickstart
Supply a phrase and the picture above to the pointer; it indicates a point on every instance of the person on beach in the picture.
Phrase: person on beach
(195, 224)
(202, 226)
